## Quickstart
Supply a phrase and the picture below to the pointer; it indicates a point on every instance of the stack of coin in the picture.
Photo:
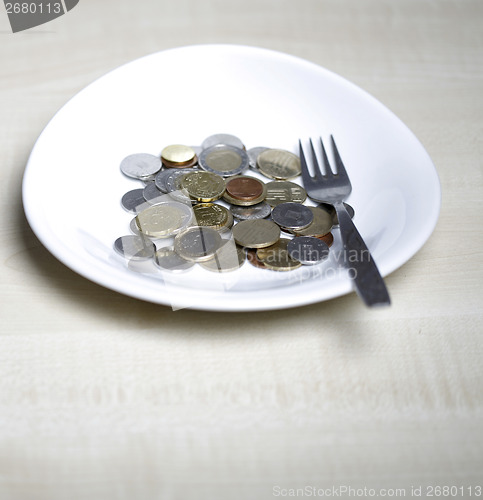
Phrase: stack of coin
(178, 156)
(245, 191)
(203, 194)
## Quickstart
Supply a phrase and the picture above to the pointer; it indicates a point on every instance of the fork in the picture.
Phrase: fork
(334, 187)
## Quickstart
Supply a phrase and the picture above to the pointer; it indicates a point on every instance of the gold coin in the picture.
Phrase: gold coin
(277, 258)
(204, 186)
(283, 192)
(212, 215)
(257, 233)
(177, 153)
(279, 164)
(186, 164)
(163, 220)
(229, 257)
(321, 224)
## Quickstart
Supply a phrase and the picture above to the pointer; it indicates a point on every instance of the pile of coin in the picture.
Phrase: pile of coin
(218, 215)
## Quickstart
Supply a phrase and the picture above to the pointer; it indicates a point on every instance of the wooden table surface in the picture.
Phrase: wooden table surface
(107, 397)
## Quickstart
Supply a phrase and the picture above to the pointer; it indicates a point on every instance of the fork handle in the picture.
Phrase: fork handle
(362, 268)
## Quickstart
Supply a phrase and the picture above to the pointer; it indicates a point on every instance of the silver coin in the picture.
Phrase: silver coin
(140, 165)
(229, 257)
(160, 180)
(197, 243)
(152, 194)
(225, 139)
(134, 227)
(173, 185)
(224, 160)
(308, 250)
(133, 201)
(168, 260)
(134, 247)
(258, 211)
(164, 219)
(173, 180)
(283, 192)
(292, 215)
(149, 178)
(253, 155)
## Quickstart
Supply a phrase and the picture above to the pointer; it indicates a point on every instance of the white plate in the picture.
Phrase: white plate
(72, 184)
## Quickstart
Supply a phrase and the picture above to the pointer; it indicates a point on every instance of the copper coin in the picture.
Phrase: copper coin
(327, 238)
(244, 188)
(253, 259)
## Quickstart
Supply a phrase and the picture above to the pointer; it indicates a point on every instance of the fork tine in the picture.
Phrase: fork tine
(319, 174)
(338, 160)
(307, 178)
(328, 170)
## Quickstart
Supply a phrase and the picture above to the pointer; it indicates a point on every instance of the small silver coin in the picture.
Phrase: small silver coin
(146, 180)
(173, 179)
(258, 211)
(308, 250)
(152, 194)
(225, 139)
(168, 260)
(134, 247)
(224, 160)
(160, 180)
(292, 215)
(173, 185)
(134, 227)
(253, 156)
(229, 257)
(197, 244)
(133, 201)
(140, 165)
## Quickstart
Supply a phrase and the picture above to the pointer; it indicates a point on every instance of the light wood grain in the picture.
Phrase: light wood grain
(106, 397)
